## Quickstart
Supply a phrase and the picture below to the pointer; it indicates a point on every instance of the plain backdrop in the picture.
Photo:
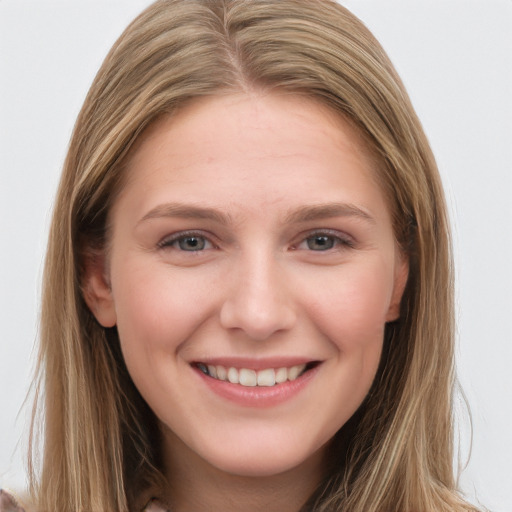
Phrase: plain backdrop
(455, 57)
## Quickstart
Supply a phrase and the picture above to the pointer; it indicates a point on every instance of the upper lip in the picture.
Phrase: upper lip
(252, 363)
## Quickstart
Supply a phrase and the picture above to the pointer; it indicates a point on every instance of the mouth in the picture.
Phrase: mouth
(267, 377)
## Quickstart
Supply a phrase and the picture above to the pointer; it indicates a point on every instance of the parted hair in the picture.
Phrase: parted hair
(101, 442)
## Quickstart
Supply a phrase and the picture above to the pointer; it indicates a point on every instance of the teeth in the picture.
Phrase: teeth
(222, 374)
(247, 377)
(212, 371)
(294, 372)
(250, 378)
(233, 376)
(282, 375)
(266, 377)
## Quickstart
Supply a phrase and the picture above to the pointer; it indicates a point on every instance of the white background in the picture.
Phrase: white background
(455, 57)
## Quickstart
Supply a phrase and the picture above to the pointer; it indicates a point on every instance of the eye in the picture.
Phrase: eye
(192, 243)
(189, 242)
(324, 241)
(320, 242)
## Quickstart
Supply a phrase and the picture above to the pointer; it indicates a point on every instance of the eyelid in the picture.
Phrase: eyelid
(343, 238)
(168, 240)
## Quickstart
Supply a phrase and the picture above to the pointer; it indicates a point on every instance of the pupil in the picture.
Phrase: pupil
(321, 243)
(191, 243)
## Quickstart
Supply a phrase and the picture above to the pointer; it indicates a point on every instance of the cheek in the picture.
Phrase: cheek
(156, 308)
(351, 315)
(351, 308)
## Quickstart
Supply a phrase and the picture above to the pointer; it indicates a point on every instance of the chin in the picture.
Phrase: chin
(260, 460)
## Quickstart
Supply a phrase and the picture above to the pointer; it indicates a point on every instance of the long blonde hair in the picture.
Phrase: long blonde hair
(101, 442)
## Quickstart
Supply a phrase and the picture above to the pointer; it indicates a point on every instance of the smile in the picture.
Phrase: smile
(251, 378)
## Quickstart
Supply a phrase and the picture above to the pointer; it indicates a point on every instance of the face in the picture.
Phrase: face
(251, 271)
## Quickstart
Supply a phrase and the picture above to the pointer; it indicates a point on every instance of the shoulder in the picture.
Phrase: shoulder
(8, 503)
(152, 506)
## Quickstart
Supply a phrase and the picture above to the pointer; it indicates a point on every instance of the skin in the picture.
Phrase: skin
(260, 287)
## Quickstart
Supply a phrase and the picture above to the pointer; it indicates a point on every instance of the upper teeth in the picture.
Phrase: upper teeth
(246, 377)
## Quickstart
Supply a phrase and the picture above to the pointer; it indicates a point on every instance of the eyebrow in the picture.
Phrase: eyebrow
(186, 211)
(328, 210)
(301, 214)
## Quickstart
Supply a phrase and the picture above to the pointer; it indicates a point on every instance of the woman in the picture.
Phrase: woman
(250, 217)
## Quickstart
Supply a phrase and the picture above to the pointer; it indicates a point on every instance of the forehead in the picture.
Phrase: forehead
(260, 145)
(251, 116)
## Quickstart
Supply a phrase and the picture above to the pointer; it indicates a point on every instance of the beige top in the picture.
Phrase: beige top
(8, 503)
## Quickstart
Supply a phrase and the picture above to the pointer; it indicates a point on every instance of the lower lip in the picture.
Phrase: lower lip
(258, 396)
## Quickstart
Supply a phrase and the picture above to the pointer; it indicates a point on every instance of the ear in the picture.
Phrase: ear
(400, 280)
(96, 288)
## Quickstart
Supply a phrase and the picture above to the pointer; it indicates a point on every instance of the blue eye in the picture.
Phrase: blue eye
(186, 242)
(320, 242)
(191, 243)
(323, 241)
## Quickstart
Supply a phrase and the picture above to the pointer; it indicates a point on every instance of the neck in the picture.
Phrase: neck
(194, 484)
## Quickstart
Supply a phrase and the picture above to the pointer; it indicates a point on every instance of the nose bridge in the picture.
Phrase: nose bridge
(259, 301)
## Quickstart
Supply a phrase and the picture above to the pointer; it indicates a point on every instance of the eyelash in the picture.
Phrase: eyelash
(338, 241)
(172, 241)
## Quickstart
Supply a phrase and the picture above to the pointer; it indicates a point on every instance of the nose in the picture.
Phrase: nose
(259, 301)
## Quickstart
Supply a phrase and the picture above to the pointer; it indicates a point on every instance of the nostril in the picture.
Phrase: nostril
(258, 319)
